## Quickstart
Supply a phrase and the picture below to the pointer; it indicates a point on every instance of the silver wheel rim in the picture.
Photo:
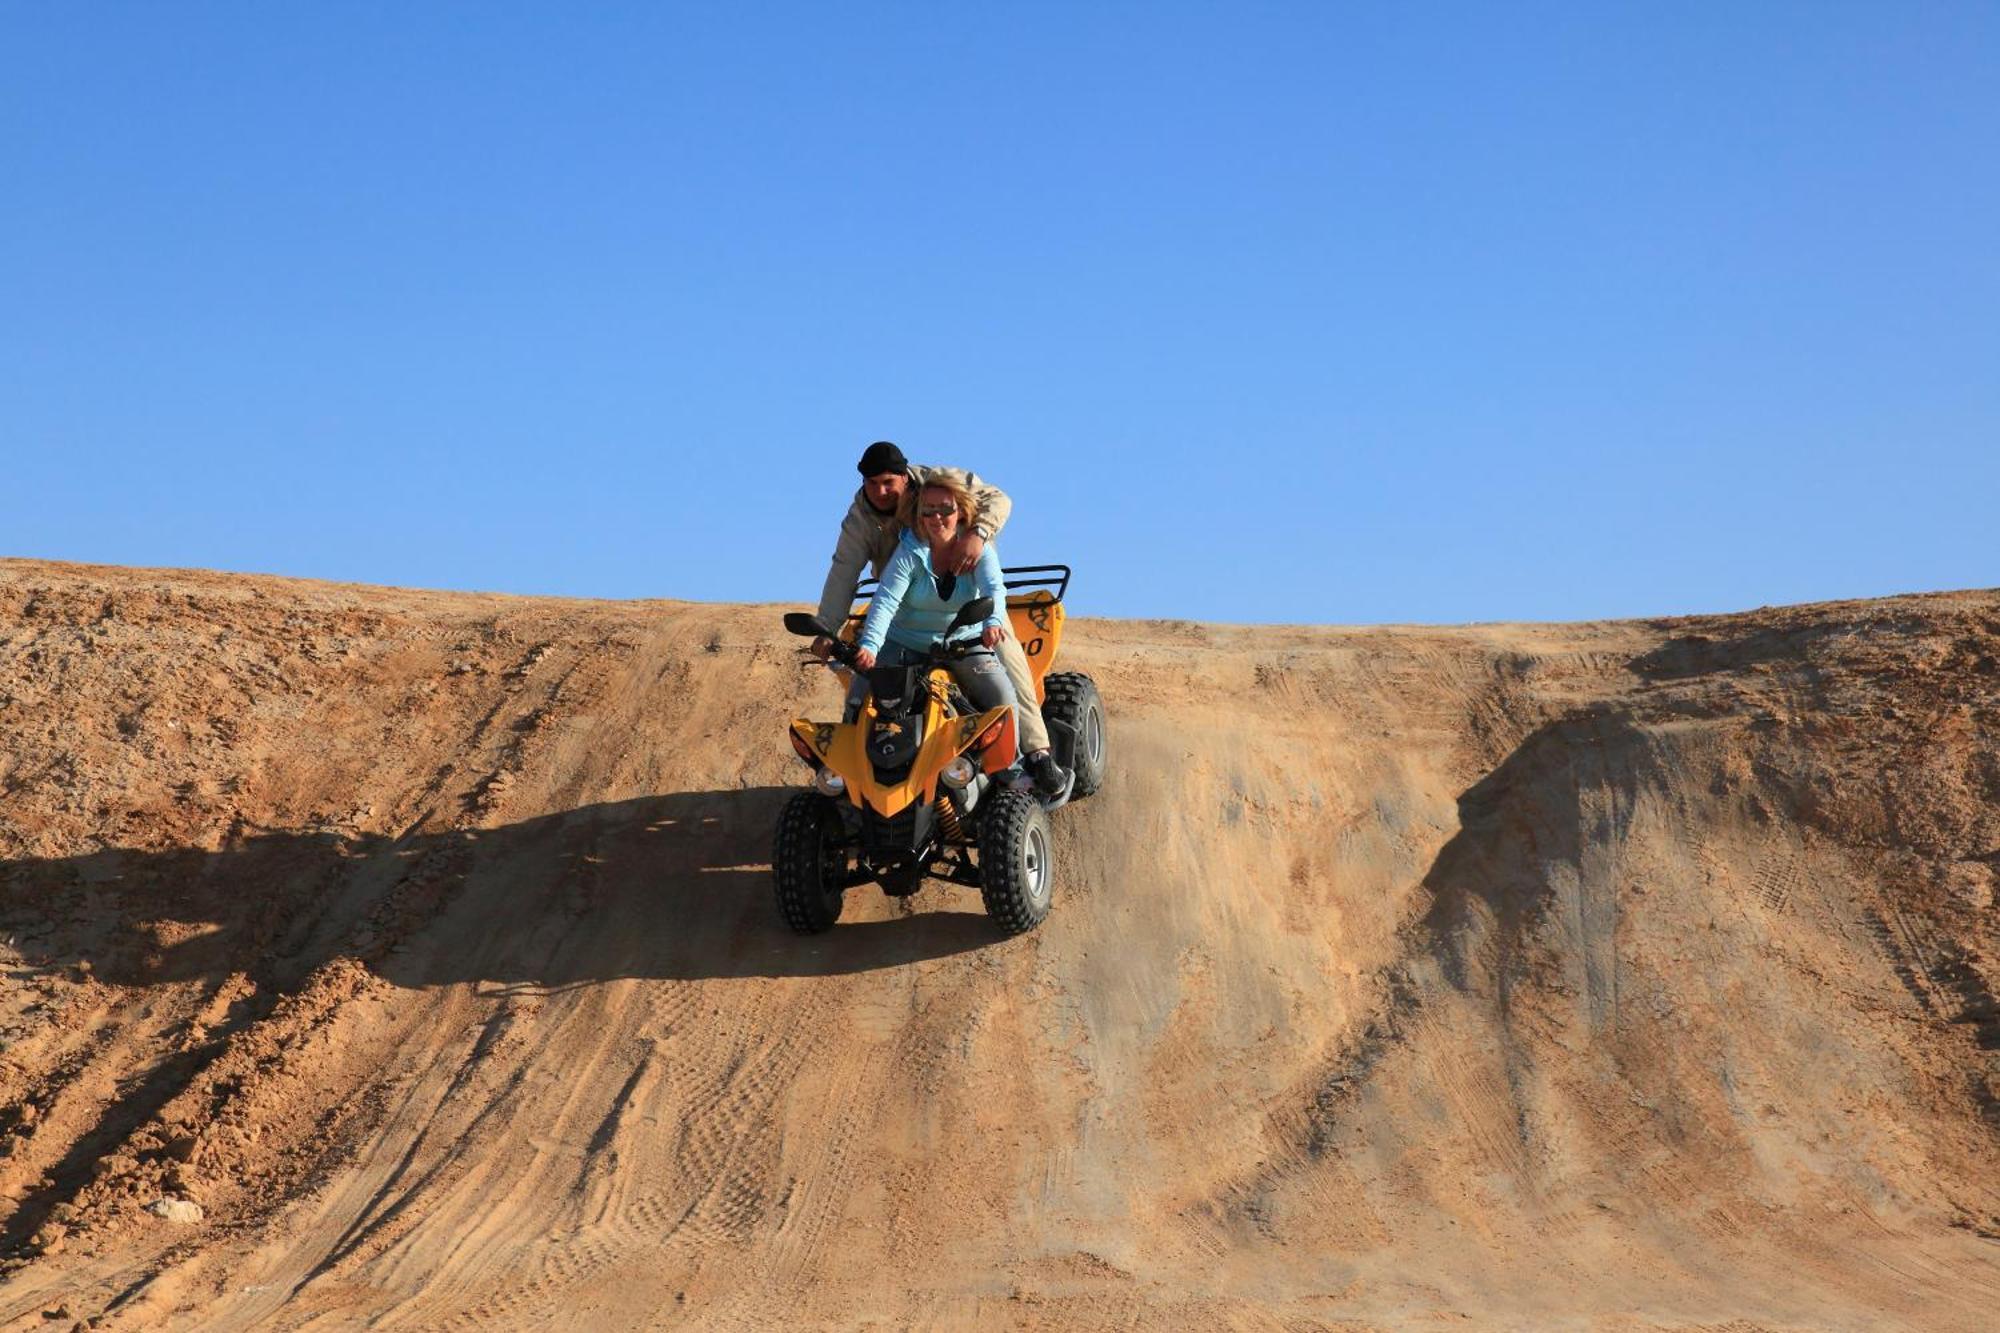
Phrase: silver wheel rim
(1035, 862)
(1093, 736)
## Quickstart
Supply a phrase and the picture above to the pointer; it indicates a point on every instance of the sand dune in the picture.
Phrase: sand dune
(1629, 975)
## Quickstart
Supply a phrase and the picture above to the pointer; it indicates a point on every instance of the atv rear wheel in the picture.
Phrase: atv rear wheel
(1016, 867)
(1073, 703)
(809, 863)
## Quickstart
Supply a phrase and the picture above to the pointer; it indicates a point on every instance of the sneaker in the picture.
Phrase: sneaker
(1051, 778)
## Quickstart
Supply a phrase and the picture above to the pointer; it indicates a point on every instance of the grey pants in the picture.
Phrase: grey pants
(979, 673)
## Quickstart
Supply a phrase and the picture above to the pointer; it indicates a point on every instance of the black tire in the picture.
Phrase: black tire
(1073, 702)
(809, 863)
(1016, 861)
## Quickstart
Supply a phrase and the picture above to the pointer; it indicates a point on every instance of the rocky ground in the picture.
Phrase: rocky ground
(406, 958)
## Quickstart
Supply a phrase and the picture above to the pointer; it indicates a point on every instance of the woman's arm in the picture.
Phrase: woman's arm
(887, 599)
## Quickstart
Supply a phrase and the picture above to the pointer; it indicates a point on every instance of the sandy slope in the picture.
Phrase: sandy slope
(1633, 975)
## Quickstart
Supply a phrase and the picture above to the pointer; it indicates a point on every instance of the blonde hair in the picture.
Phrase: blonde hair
(961, 500)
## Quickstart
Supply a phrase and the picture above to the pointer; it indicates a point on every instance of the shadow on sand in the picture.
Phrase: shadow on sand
(671, 887)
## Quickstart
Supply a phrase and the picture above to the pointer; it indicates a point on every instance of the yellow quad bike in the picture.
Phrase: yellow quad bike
(919, 785)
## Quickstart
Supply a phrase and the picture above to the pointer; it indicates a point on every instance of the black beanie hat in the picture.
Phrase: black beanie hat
(881, 457)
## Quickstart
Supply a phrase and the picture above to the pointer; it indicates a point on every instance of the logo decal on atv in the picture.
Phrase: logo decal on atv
(822, 736)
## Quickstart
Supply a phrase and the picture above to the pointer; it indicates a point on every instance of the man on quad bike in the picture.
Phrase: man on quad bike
(870, 534)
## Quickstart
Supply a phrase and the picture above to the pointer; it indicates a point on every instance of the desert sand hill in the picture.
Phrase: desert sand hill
(1626, 975)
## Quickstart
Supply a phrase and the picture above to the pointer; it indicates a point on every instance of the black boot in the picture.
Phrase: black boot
(1051, 778)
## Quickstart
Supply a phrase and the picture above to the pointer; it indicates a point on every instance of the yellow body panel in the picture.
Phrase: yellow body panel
(1037, 621)
(842, 747)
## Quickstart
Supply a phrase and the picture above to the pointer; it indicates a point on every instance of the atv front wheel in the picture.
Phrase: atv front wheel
(1073, 703)
(1016, 868)
(809, 863)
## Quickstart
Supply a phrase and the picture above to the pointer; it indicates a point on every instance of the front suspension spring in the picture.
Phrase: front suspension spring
(948, 819)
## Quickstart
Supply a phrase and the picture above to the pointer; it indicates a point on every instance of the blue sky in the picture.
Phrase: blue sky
(1306, 312)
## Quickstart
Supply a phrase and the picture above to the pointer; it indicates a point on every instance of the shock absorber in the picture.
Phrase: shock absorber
(948, 818)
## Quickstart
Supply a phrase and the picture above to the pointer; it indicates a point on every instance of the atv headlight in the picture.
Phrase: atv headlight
(958, 772)
(829, 783)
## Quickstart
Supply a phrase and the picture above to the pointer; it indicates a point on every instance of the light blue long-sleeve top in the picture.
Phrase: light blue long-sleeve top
(906, 609)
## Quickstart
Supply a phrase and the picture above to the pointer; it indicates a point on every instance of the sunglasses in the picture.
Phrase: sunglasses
(937, 511)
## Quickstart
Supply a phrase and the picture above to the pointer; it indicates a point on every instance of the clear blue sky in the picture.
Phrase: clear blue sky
(1307, 312)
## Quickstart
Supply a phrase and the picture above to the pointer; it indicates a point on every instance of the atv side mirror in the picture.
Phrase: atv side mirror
(803, 622)
(972, 613)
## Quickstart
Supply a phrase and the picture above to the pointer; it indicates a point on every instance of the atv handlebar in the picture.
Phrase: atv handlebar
(803, 623)
(843, 651)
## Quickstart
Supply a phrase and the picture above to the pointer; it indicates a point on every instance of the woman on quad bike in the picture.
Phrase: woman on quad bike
(913, 605)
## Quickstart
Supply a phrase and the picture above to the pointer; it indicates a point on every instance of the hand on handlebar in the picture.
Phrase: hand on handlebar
(863, 660)
(992, 636)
